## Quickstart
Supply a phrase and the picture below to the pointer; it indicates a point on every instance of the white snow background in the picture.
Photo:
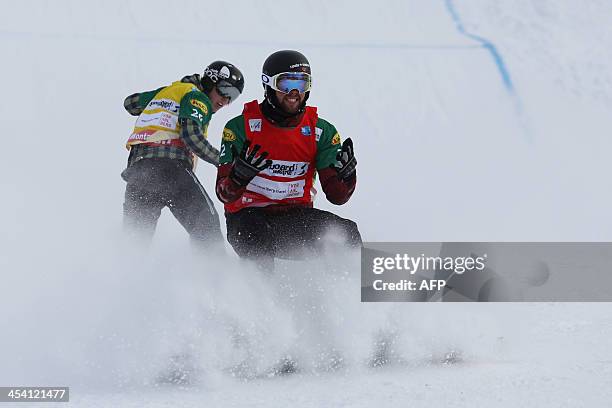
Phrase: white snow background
(446, 152)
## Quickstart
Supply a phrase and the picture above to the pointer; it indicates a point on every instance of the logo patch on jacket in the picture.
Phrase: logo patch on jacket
(228, 135)
(167, 104)
(336, 139)
(200, 105)
(306, 130)
(318, 133)
(255, 125)
(282, 168)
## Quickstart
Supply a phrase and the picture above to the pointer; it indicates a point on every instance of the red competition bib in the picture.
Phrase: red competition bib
(289, 180)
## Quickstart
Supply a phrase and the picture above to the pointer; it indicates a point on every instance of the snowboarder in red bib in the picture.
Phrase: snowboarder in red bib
(270, 156)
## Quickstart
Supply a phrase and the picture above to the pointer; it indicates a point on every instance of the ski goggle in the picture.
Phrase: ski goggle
(288, 81)
(227, 90)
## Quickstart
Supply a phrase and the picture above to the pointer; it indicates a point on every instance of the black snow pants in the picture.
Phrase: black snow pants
(293, 233)
(155, 183)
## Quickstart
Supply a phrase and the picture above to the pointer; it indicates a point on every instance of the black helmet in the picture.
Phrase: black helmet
(225, 77)
(277, 63)
(285, 61)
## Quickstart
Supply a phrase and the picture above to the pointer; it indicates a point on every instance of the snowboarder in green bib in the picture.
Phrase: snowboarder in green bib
(270, 156)
(169, 135)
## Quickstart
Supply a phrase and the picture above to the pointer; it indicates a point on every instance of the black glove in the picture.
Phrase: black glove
(346, 159)
(246, 165)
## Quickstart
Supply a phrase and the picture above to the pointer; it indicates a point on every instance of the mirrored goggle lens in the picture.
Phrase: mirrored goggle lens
(288, 81)
(228, 90)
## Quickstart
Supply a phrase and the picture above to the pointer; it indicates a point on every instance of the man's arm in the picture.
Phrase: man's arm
(194, 138)
(338, 190)
(229, 190)
(194, 114)
(246, 166)
(132, 104)
(136, 103)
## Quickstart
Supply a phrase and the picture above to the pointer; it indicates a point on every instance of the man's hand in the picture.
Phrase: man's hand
(247, 165)
(347, 161)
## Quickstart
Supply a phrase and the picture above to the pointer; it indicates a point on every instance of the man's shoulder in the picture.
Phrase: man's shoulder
(194, 102)
(178, 89)
(194, 94)
(232, 140)
(324, 124)
(234, 129)
(186, 90)
(184, 86)
(326, 132)
(236, 121)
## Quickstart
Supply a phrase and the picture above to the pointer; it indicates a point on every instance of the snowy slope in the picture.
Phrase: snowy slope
(446, 152)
